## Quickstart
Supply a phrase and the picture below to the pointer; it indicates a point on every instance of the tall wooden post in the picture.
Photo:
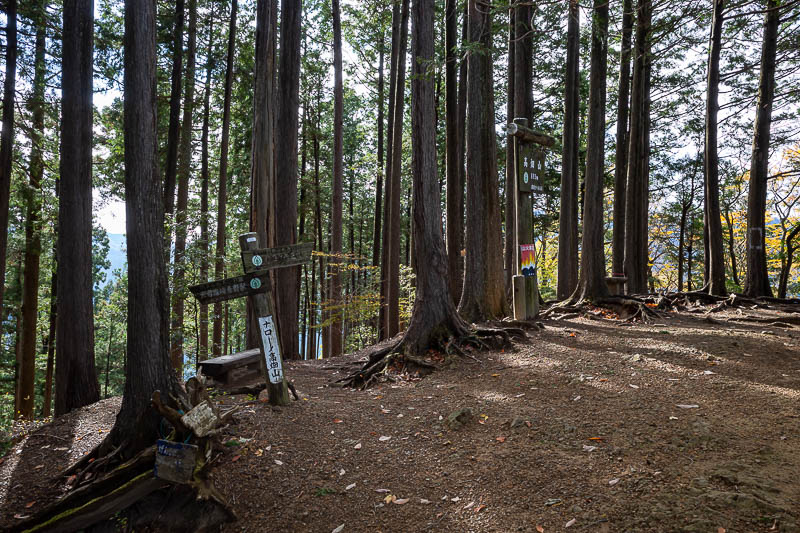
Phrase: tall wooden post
(526, 287)
(271, 360)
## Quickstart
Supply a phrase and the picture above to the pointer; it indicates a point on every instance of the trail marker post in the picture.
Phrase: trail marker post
(255, 284)
(529, 165)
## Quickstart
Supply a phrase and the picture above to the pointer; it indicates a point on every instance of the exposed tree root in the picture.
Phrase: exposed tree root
(629, 309)
(380, 358)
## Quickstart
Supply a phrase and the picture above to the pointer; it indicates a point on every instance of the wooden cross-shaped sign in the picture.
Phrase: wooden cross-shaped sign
(255, 284)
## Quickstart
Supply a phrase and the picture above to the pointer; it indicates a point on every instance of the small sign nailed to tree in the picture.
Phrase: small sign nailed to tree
(530, 168)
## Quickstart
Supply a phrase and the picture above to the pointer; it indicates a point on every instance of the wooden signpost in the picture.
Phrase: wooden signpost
(529, 163)
(255, 284)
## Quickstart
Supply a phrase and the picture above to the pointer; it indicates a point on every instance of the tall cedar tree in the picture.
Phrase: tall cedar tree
(510, 218)
(287, 279)
(756, 282)
(30, 287)
(384, 281)
(262, 203)
(222, 189)
(592, 283)
(182, 204)
(621, 159)
(715, 259)
(148, 365)
(393, 182)
(637, 186)
(76, 379)
(376, 222)
(568, 217)
(173, 127)
(455, 187)
(483, 294)
(7, 136)
(204, 245)
(336, 194)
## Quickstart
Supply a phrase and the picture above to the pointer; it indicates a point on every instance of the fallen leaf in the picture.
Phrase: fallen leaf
(595, 438)
(235, 458)
(528, 423)
(384, 438)
(456, 499)
(338, 529)
(587, 448)
(350, 486)
(500, 439)
(19, 516)
(613, 481)
(495, 375)
(341, 472)
(720, 530)
(540, 529)
(401, 501)
(688, 406)
(337, 420)
(30, 504)
(259, 452)
(469, 505)
(480, 508)
(390, 498)
(357, 446)
(570, 523)
(576, 398)
(423, 501)
(572, 335)
(673, 418)
(279, 463)
(382, 490)
(631, 385)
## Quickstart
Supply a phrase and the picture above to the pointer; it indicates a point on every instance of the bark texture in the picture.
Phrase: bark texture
(756, 281)
(148, 366)
(173, 127)
(621, 167)
(483, 295)
(568, 216)
(287, 280)
(592, 283)
(715, 259)
(76, 379)
(336, 194)
(455, 187)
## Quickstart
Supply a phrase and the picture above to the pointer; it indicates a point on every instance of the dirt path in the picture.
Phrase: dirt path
(580, 428)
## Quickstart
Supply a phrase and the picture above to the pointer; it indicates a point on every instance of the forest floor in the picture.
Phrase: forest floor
(689, 423)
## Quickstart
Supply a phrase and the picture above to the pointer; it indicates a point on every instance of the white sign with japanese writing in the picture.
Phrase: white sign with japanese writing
(272, 353)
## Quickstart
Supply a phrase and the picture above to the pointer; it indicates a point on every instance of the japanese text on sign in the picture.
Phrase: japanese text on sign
(269, 340)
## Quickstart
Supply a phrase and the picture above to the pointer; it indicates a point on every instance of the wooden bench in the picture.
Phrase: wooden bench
(616, 285)
(234, 369)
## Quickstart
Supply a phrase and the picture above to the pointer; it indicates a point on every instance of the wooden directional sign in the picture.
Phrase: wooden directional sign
(230, 288)
(256, 260)
(530, 167)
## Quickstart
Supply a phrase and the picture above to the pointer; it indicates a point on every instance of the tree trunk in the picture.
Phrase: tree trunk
(173, 128)
(393, 181)
(434, 312)
(7, 136)
(715, 258)
(592, 283)
(376, 234)
(511, 174)
(262, 174)
(756, 281)
(453, 161)
(681, 243)
(148, 365)
(30, 286)
(636, 201)
(222, 191)
(384, 279)
(76, 379)
(51, 341)
(179, 293)
(568, 217)
(204, 244)
(787, 267)
(334, 264)
(731, 247)
(621, 168)
(483, 294)
(287, 279)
